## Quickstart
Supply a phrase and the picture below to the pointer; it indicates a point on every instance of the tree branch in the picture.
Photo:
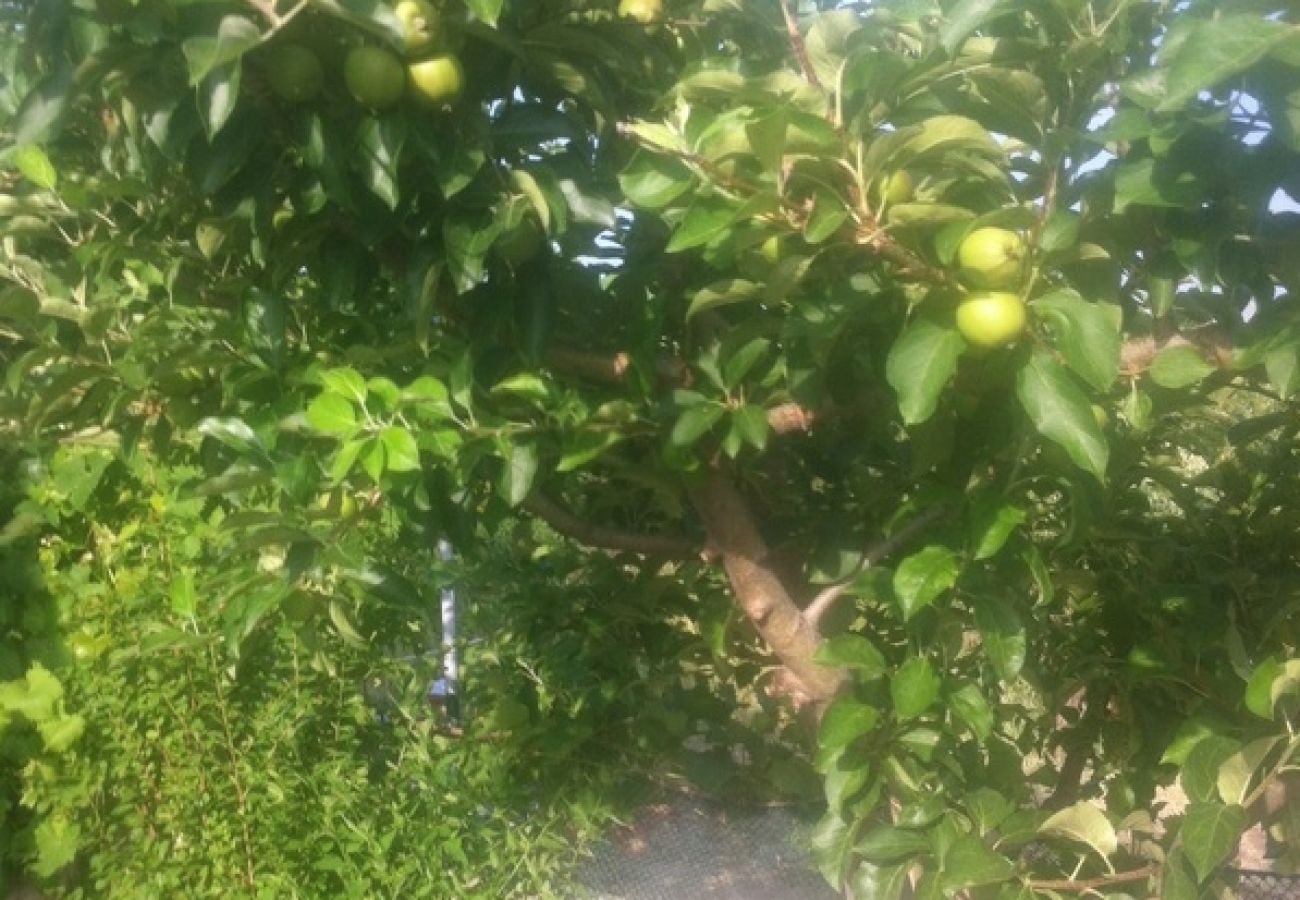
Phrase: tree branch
(796, 42)
(606, 537)
(872, 556)
(1087, 884)
(757, 587)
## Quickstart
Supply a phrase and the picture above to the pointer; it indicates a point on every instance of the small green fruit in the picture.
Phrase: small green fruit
(438, 80)
(374, 76)
(897, 188)
(991, 319)
(643, 11)
(991, 257)
(295, 73)
(421, 24)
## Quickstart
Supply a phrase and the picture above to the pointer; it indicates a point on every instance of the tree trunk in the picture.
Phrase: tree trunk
(758, 590)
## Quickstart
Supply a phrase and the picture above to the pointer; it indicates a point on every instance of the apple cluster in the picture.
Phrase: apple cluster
(991, 260)
(376, 76)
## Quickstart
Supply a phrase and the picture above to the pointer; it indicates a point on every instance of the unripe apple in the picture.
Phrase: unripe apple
(438, 80)
(897, 188)
(421, 24)
(294, 73)
(991, 319)
(643, 11)
(991, 257)
(374, 76)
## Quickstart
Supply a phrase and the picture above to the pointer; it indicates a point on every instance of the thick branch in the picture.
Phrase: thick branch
(605, 537)
(872, 556)
(758, 589)
(1088, 884)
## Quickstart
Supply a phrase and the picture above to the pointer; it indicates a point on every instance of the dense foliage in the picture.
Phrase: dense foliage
(953, 342)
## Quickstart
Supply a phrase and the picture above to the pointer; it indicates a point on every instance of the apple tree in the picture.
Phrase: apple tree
(953, 340)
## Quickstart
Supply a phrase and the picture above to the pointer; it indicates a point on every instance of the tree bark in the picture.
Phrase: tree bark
(758, 590)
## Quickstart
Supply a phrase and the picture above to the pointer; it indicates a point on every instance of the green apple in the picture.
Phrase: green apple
(897, 188)
(374, 76)
(438, 80)
(991, 257)
(643, 11)
(421, 24)
(295, 73)
(991, 319)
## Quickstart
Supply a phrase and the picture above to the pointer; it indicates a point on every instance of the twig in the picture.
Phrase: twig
(796, 42)
(607, 537)
(872, 556)
(1082, 885)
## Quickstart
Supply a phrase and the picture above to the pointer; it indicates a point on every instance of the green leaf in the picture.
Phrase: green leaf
(992, 521)
(845, 779)
(1061, 412)
(831, 841)
(723, 293)
(851, 651)
(887, 844)
(218, 96)
(184, 600)
(1085, 824)
(36, 166)
(400, 450)
(964, 18)
(486, 11)
(379, 145)
(58, 735)
(1216, 49)
(235, 36)
(346, 382)
(1086, 334)
(988, 809)
(1177, 882)
(1002, 635)
(524, 385)
(1179, 367)
(653, 180)
(914, 688)
(844, 721)
(42, 110)
(970, 863)
(585, 447)
(1200, 774)
(57, 841)
(1151, 182)
(1282, 365)
(520, 470)
(1238, 771)
(920, 365)
(704, 220)
(923, 576)
(343, 625)
(694, 423)
(872, 882)
(232, 432)
(332, 414)
(750, 422)
(1210, 833)
(970, 705)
